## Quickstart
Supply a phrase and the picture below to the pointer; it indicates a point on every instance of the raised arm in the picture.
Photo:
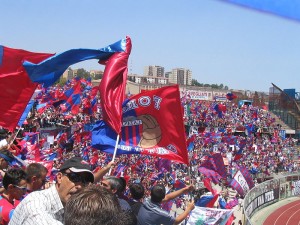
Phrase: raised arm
(101, 173)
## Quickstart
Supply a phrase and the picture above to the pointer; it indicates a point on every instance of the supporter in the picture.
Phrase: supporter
(14, 182)
(115, 186)
(3, 139)
(35, 179)
(36, 176)
(137, 192)
(47, 206)
(6, 158)
(151, 212)
(96, 206)
(248, 128)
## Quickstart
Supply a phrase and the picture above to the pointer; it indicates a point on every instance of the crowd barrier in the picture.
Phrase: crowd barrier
(270, 192)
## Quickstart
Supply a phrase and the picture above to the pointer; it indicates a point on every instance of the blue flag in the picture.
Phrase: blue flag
(49, 70)
(285, 8)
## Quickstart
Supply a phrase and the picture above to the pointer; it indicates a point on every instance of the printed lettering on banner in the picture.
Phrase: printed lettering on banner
(242, 182)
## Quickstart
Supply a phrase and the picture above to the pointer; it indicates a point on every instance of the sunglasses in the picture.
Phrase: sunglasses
(76, 178)
(21, 188)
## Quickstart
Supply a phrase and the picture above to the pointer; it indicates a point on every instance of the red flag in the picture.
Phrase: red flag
(112, 87)
(152, 125)
(230, 220)
(207, 184)
(162, 131)
(16, 83)
(211, 203)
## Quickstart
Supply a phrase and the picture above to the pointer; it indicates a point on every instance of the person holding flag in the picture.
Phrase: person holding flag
(151, 213)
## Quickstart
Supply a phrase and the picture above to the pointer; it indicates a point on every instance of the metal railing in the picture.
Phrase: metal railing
(270, 192)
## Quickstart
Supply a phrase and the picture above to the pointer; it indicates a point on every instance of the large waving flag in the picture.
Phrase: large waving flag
(15, 85)
(48, 71)
(40, 68)
(152, 125)
(112, 86)
(285, 8)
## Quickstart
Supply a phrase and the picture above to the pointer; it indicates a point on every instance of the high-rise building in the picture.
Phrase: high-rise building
(154, 71)
(180, 76)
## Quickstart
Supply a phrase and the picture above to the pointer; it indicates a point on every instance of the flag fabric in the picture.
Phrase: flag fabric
(232, 203)
(215, 162)
(49, 71)
(242, 181)
(231, 96)
(28, 107)
(11, 59)
(30, 69)
(202, 215)
(163, 165)
(207, 201)
(191, 143)
(284, 8)
(25, 113)
(238, 154)
(167, 205)
(41, 107)
(230, 220)
(31, 137)
(50, 157)
(179, 184)
(255, 114)
(211, 174)
(152, 125)
(112, 86)
(220, 109)
(222, 203)
(15, 95)
(73, 98)
(207, 184)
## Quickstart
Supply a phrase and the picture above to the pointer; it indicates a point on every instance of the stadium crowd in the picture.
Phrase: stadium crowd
(48, 183)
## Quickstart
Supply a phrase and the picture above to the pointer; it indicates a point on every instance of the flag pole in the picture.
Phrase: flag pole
(190, 182)
(115, 152)
(15, 135)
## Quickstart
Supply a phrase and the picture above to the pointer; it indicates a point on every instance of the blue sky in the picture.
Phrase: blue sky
(219, 42)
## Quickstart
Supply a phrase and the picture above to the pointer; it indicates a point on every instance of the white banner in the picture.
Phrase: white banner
(202, 215)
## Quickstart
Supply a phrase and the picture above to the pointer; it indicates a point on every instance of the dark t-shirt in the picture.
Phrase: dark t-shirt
(135, 206)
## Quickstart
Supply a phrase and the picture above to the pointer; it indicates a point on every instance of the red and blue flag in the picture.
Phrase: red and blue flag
(152, 125)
